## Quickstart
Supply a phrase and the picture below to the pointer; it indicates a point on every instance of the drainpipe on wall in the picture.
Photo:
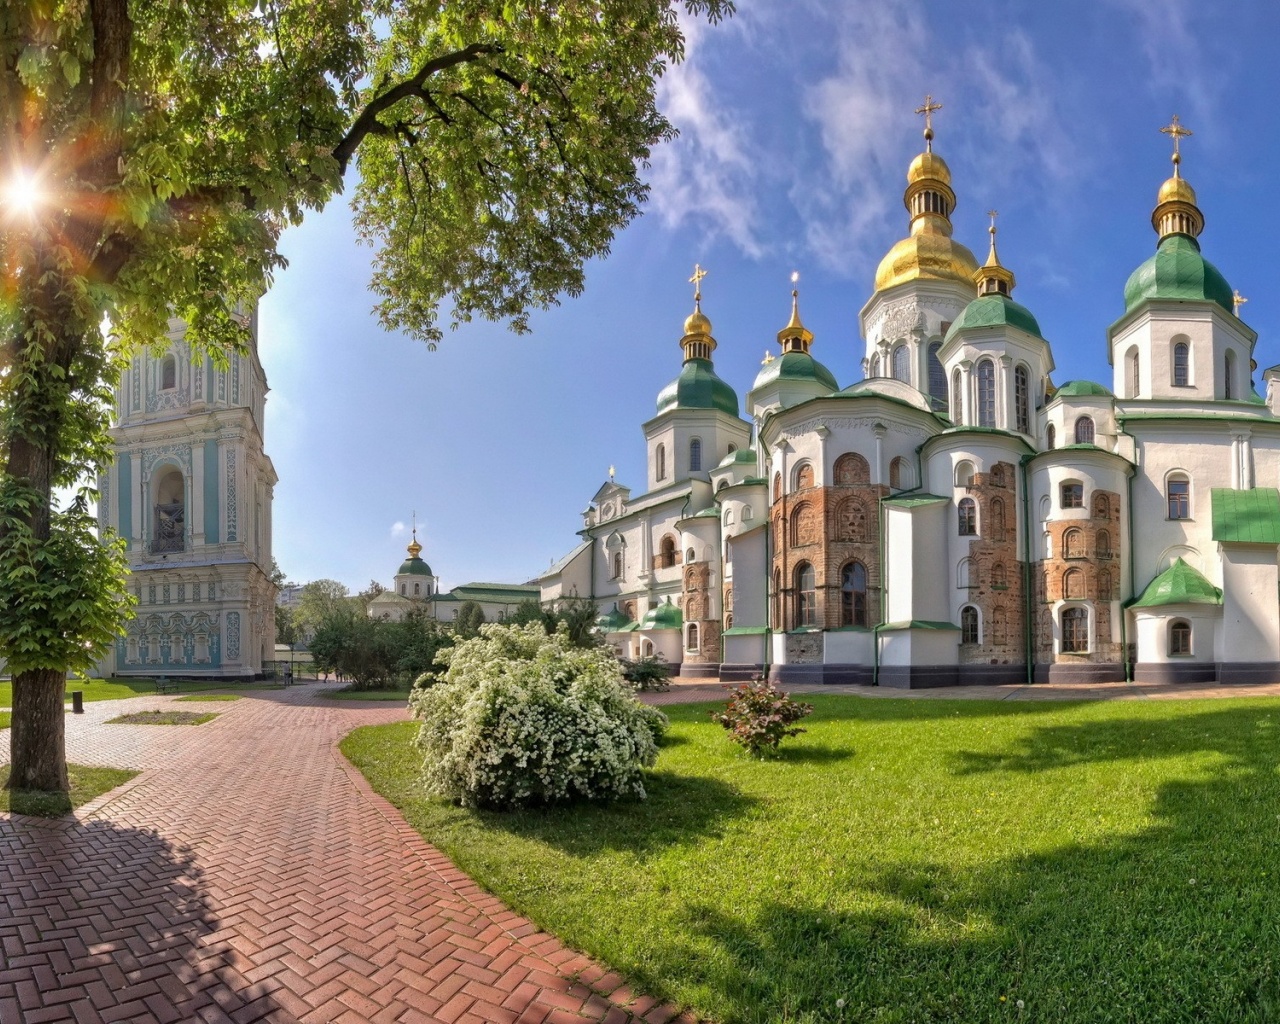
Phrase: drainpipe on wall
(1124, 609)
(1028, 624)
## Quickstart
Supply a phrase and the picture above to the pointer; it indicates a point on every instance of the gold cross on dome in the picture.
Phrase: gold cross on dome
(696, 280)
(1178, 131)
(927, 110)
(1239, 300)
(768, 358)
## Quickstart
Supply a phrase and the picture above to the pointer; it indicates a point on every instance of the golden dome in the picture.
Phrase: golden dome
(929, 257)
(928, 165)
(414, 549)
(697, 322)
(1176, 189)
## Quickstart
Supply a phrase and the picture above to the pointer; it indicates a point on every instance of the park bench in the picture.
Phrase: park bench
(163, 685)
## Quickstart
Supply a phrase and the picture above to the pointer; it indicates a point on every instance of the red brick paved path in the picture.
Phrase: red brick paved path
(250, 874)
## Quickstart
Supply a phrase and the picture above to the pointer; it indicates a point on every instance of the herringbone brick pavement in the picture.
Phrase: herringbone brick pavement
(250, 874)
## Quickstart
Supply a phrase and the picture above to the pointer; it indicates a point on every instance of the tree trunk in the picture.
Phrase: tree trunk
(37, 739)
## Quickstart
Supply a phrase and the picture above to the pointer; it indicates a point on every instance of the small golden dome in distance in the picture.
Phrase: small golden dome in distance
(415, 549)
(697, 323)
(1176, 189)
(928, 165)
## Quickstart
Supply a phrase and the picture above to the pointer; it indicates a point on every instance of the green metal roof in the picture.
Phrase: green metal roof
(1177, 271)
(996, 311)
(796, 366)
(923, 624)
(1246, 517)
(698, 387)
(745, 631)
(663, 616)
(743, 457)
(415, 567)
(1178, 584)
(1083, 389)
(613, 620)
(915, 500)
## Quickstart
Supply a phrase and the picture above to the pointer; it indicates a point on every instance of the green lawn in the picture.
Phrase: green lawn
(925, 861)
(163, 718)
(86, 783)
(345, 694)
(5, 719)
(119, 689)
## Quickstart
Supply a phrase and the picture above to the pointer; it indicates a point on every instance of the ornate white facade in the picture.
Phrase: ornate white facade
(190, 491)
(955, 516)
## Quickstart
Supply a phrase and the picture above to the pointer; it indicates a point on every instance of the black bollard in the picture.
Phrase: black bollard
(77, 702)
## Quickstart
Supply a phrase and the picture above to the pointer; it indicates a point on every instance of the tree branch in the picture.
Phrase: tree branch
(366, 121)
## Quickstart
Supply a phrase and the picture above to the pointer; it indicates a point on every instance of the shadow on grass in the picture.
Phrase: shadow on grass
(1174, 922)
(678, 810)
(801, 754)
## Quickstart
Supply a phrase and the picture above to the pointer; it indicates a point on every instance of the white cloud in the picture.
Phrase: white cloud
(1176, 56)
(708, 174)
(398, 529)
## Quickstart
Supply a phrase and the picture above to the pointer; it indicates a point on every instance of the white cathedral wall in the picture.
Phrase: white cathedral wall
(1209, 332)
(1250, 625)
(1151, 626)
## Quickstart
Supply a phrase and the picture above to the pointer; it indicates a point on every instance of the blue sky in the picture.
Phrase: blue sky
(797, 128)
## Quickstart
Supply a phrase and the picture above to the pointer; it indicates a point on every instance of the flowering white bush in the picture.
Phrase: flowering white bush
(523, 717)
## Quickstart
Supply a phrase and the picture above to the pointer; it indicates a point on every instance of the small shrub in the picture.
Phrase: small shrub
(522, 718)
(647, 673)
(759, 715)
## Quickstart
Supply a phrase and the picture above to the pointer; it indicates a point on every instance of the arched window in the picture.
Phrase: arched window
(968, 515)
(853, 595)
(1072, 494)
(1229, 375)
(170, 511)
(1181, 364)
(1102, 544)
(747, 514)
(957, 397)
(969, 633)
(996, 531)
(1179, 638)
(1134, 372)
(1022, 399)
(986, 393)
(801, 524)
(999, 627)
(965, 576)
(1050, 437)
(1101, 506)
(999, 577)
(728, 516)
(1084, 430)
(777, 486)
(617, 565)
(964, 473)
(1044, 508)
(806, 596)
(417, 590)
(937, 377)
(1104, 586)
(691, 637)
(660, 462)
(1073, 544)
(695, 456)
(690, 556)
(1178, 492)
(777, 598)
(731, 449)
(851, 469)
(666, 552)
(899, 474)
(168, 373)
(404, 589)
(1075, 631)
(804, 476)
(1073, 585)
(851, 521)
(902, 364)
(875, 365)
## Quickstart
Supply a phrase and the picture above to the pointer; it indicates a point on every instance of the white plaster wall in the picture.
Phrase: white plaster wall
(1250, 617)
(1152, 629)
(744, 650)
(750, 568)
(1209, 331)
(847, 647)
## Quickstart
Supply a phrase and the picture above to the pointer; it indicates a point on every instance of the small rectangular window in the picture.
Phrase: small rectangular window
(1179, 499)
(1073, 495)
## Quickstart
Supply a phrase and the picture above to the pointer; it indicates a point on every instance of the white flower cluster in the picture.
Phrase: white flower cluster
(525, 718)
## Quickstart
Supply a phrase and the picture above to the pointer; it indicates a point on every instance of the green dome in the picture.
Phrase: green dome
(613, 620)
(796, 366)
(1179, 584)
(698, 387)
(743, 456)
(996, 311)
(664, 616)
(415, 567)
(1082, 389)
(1177, 271)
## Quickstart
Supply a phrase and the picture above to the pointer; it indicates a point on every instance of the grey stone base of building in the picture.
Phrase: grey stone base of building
(1248, 672)
(740, 673)
(1175, 672)
(1081, 672)
(829, 675)
(700, 670)
(919, 677)
(992, 675)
